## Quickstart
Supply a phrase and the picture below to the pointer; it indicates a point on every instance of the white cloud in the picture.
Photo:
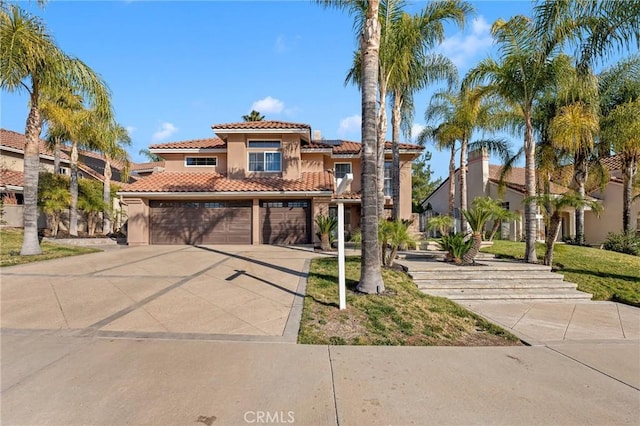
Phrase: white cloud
(415, 130)
(461, 48)
(350, 125)
(281, 44)
(268, 105)
(164, 132)
(130, 130)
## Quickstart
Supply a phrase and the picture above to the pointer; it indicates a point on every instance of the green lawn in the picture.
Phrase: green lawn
(11, 241)
(402, 316)
(605, 274)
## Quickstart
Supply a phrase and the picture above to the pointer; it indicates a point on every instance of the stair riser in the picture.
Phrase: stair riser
(559, 286)
(487, 277)
(510, 295)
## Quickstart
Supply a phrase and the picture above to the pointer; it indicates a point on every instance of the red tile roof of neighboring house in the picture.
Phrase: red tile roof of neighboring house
(348, 196)
(265, 124)
(146, 166)
(612, 163)
(16, 140)
(214, 182)
(350, 147)
(209, 143)
(516, 180)
(11, 177)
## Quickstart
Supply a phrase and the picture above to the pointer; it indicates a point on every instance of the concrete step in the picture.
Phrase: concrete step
(486, 276)
(491, 284)
(509, 294)
(484, 267)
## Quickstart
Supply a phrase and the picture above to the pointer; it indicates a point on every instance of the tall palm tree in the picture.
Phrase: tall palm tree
(150, 155)
(30, 60)
(368, 30)
(253, 116)
(619, 95)
(414, 67)
(525, 67)
(111, 139)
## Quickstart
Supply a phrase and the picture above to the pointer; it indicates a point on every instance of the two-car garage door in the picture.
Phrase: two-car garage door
(229, 222)
(198, 222)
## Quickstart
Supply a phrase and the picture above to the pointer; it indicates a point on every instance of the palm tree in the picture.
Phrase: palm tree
(253, 116)
(525, 67)
(31, 61)
(619, 97)
(111, 139)
(150, 155)
(368, 30)
(477, 217)
(414, 68)
(557, 204)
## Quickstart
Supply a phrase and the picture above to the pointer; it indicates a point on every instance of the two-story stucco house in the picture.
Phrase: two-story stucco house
(260, 182)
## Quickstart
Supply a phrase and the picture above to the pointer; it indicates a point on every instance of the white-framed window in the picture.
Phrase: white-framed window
(388, 190)
(200, 161)
(63, 171)
(263, 157)
(265, 161)
(341, 169)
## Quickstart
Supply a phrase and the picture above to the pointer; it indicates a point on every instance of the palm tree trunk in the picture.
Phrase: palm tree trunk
(371, 274)
(530, 184)
(106, 197)
(552, 235)
(30, 242)
(73, 191)
(580, 177)
(469, 257)
(494, 229)
(452, 181)
(463, 182)
(630, 168)
(56, 156)
(382, 137)
(395, 167)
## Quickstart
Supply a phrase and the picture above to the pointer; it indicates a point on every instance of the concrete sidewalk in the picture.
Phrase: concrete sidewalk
(51, 379)
(548, 323)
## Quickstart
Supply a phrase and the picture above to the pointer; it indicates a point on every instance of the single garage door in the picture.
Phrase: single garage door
(285, 222)
(200, 222)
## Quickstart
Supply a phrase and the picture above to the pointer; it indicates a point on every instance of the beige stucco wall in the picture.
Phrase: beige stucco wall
(405, 187)
(138, 221)
(176, 163)
(291, 163)
(15, 161)
(312, 162)
(610, 220)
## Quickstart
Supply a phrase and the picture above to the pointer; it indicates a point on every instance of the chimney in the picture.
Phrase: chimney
(317, 135)
(478, 173)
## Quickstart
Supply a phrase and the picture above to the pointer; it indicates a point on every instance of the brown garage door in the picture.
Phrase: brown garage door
(285, 222)
(198, 222)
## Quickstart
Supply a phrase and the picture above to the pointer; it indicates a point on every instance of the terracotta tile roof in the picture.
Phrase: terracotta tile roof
(348, 196)
(214, 182)
(209, 143)
(612, 163)
(11, 177)
(265, 124)
(16, 140)
(146, 166)
(516, 180)
(342, 147)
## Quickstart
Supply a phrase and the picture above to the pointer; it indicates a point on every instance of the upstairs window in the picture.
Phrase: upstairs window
(388, 190)
(264, 144)
(200, 161)
(265, 161)
(265, 156)
(341, 169)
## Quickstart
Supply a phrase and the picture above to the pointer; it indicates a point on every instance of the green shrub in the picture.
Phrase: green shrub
(456, 246)
(624, 242)
(326, 227)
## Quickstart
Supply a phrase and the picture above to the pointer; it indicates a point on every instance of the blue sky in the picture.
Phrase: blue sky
(176, 68)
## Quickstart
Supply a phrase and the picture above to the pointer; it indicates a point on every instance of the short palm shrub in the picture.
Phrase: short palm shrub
(393, 234)
(91, 203)
(624, 242)
(326, 227)
(53, 199)
(456, 245)
(477, 217)
(442, 224)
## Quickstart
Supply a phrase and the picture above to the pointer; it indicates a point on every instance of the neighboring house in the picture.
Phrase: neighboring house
(259, 182)
(139, 170)
(483, 179)
(91, 166)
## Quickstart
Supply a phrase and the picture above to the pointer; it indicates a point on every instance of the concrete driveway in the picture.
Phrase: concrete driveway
(210, 292)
